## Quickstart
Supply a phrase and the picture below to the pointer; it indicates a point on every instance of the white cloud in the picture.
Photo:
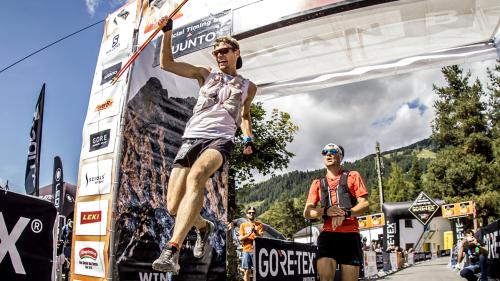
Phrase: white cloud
(353, 115)
(111, 4)
(346, 115)
(91, 6)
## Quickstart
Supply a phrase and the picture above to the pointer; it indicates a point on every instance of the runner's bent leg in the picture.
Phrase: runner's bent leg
(349, 272)
(176, 188)
(176, 191)
(326, 268)
(190, 206)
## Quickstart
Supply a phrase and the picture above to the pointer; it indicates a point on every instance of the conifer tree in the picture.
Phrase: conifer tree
(463, 165)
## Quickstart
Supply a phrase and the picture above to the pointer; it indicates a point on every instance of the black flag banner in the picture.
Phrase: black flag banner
(26, 237)
(35, 142)
(490, 236)
(57, 185)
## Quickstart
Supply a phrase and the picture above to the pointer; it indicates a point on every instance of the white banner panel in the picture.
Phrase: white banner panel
(393, 257)
(370, 263)
(118, 33)
(411, 258)
(96, 178)
(99, 138)
(91, 217)
(105, 103)
(89, 258)
(152, 11)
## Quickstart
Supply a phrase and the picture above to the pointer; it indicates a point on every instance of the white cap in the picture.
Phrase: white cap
(339, 148)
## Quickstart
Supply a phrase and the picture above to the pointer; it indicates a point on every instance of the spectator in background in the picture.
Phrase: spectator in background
(249, 230)
(475, 254)
(65, 244)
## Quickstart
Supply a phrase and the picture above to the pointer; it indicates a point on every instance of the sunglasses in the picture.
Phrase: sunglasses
(221, 51)
(331, 151)
(251, 213)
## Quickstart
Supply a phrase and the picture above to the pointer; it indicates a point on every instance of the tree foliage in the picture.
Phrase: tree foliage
(396, 187)
(466, 164)
(272, 134)
(285, 214)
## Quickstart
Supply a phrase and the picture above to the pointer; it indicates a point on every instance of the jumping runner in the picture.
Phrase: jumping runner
(223, 105)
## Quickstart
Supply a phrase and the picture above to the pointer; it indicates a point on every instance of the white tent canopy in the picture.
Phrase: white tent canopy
(304, 52)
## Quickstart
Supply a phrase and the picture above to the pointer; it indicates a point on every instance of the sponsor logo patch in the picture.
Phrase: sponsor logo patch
(90, 217)
(88, 253)
(107, 104)
(99, 140)
(109, 73)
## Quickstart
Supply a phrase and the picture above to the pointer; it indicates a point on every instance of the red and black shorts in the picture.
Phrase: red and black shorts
(191, 149)
(343, 247)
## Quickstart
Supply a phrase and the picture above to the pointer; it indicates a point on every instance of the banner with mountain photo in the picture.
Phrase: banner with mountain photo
(158, 107)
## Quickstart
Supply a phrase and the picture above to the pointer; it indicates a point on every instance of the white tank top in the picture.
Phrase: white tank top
(217, 113)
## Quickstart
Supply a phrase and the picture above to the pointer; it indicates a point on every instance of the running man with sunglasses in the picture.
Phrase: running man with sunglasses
(339, 240)
(208, 140)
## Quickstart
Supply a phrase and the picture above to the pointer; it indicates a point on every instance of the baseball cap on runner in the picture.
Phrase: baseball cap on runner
(336, 147)
(251, 209)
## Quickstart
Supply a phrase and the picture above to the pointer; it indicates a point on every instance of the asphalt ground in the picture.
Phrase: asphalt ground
(431, 270)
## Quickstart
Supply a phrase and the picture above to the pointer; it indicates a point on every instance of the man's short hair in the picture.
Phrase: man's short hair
(469, 231)
(234, 43)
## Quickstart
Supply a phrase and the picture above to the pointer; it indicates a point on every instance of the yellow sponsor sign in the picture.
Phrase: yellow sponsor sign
(448, 240)
(458, 209)
(371, 221)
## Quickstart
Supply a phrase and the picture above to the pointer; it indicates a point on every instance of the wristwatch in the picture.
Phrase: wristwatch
(325, 216)
(348, 213)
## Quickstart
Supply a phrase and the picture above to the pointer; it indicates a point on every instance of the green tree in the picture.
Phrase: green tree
(396, 188)
(271, 138)
(285, 214)
(414, 179)
(463, 167)
(374, 199)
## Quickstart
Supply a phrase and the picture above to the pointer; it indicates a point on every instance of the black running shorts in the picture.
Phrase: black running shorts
(343, 247)
(191, 149)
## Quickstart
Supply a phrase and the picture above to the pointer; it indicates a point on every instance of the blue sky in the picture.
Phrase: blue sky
(67, 68)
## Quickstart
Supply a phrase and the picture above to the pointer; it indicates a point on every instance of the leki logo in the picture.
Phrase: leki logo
(107, 104)
(88, 253)
(90, 217)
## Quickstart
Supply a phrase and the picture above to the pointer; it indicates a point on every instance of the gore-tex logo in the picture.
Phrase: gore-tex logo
(88, 253)
(90, 217)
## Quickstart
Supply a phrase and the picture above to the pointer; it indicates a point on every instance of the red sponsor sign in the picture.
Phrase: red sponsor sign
(90, 217)
(88, 253)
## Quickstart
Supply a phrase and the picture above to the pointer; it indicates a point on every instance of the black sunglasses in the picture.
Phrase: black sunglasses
(221, 51)
(251, 213)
